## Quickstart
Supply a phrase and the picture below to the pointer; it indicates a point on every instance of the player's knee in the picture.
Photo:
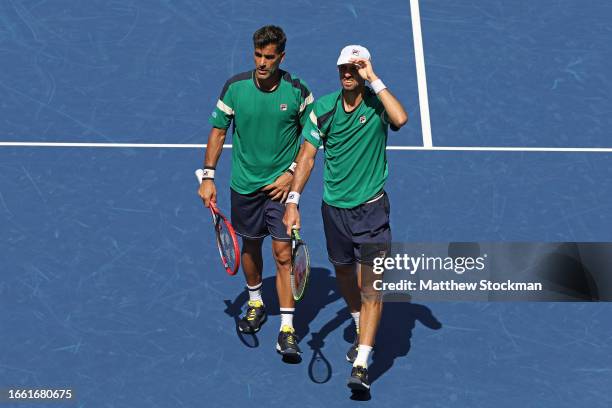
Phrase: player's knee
(283, 259)
(282, 256)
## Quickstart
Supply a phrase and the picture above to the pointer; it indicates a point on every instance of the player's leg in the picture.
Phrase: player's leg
(248, 221)
(287, 343)
(346, 278)
(341, 255)
(371, 304)
(252, 261)
(281, 251)
(372, 238)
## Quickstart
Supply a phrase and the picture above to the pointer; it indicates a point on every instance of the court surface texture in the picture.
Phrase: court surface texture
(110, 282)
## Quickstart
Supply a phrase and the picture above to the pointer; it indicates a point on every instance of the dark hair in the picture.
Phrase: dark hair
(270, 35)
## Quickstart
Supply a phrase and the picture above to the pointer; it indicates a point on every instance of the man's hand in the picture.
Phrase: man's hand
(291, 219)
(279, 190)
(208, 192)
(364, 68)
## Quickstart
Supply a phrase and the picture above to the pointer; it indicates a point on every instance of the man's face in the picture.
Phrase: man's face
(267, 60)
(349, 77)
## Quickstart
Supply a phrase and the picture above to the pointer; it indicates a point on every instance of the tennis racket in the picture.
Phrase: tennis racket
(300, 265)
(227, 242)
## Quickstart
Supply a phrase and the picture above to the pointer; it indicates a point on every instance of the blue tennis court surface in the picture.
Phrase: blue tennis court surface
(109, 281)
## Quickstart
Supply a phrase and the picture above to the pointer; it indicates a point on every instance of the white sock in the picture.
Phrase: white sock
(255, 292)
(356, 319)
(363, 352)
(287, 316)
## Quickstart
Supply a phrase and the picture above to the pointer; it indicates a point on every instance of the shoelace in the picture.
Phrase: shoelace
(252, 310)
(251, 313)
(289, 335)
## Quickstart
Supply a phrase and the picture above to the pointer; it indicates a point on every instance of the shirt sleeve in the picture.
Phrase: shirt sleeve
(311, 132)
(223, 114)
(306, 104)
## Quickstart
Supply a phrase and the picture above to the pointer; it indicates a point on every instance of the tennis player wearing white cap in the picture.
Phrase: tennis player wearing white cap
(352, 125)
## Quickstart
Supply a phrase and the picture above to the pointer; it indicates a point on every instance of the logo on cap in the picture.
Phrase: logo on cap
(283, 107)
(362, 119)
(355, 51)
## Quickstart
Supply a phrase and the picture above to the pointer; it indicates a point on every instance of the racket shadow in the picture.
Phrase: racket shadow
(320, 369)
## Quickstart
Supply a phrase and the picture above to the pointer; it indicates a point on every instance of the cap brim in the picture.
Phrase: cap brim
(343, 60)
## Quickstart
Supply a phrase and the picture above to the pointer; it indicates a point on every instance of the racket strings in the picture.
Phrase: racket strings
(299, 266)
(226, 243)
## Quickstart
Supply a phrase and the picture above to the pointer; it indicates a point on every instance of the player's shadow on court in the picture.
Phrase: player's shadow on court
(321, 291)
(392, 341)
(394, 333)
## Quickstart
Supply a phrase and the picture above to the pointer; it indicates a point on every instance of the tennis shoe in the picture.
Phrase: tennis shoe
(254, 317)
(287, 344)
(358, 381)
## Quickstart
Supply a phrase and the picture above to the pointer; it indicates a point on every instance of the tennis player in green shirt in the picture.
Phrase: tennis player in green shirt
(352, 124)
(268, 108)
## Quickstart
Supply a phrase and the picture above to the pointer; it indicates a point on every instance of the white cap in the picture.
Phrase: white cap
(352, 51)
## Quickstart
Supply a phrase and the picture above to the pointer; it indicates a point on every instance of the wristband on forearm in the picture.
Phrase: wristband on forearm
(378, 86)
(291, 169)
(293, 197)
(209, 173)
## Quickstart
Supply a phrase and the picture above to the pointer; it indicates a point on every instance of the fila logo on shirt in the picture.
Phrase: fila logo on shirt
(283, 106)
(362, 119)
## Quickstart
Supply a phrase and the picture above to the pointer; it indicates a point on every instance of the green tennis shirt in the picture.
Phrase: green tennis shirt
(267, 127)
(355, 157)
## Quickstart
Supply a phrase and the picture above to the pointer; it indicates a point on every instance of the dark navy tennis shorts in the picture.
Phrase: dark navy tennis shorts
(357, 234)
(255, 216)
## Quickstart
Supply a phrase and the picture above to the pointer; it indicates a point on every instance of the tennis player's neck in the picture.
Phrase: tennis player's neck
(351, 99)
(269, 84)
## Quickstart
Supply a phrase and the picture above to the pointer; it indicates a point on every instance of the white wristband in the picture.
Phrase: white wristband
(378, 86)
(293, 167)
(293, 197)
(208, 174)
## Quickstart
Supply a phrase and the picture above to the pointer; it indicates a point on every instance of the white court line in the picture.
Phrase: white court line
(419, 57)
(125, 145)
(505, 149)
(229, 146)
